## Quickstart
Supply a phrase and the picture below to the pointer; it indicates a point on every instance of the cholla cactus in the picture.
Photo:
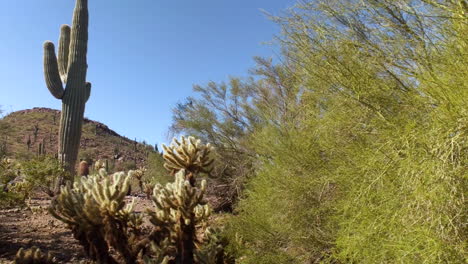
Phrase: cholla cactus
(148, 188)
(23, 188)
(188, 154)
(9, 170)
(179, 207)
(212, 248)
(33, 256)
(138, 174)
(101, 164)
(95, 211)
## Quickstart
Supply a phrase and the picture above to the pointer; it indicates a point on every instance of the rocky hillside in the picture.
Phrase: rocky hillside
(24, 131)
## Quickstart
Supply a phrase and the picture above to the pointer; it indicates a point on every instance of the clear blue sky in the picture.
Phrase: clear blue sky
(144, 55)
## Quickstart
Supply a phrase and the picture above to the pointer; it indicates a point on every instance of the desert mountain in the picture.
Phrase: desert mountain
(25, 131)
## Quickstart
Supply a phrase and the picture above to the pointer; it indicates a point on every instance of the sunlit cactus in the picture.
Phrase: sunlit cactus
(33, 256)
(182, 198)
(95, 210)
(148, 188)
(188, 154)
(99, 164)
(138, 175)
(211, 247)
(179, 207)
(70, 69)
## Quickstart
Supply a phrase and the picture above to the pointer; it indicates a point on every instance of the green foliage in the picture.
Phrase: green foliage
(42, 173)
(286, 211)
(11, 193)
(20, 180)
(88, 155)
(360, 143)
(396, 121)
(11, 199)
(222, 115)
(228, 115)
(9, 196)
(9, 170)
(155, 171)
(126, 165)
(4, 132)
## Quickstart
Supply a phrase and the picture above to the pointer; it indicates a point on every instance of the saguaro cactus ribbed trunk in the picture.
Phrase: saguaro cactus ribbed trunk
(70, 69)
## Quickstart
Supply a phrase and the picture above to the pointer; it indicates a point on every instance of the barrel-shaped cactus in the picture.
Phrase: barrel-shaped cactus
(69, 69)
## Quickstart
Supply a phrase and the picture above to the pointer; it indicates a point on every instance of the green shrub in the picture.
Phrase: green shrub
(41, 173)
(9, 170)
(287, 207)
(155, 171)
(125, 165)
(370, 164)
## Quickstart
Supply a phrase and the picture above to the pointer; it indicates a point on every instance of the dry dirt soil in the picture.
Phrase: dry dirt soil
(34, 226)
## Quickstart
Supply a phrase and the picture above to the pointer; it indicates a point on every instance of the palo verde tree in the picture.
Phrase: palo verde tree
(69, 69)
(373, 170)
(229, 114)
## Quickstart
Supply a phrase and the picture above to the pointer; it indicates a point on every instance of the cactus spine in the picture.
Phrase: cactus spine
(70, 69)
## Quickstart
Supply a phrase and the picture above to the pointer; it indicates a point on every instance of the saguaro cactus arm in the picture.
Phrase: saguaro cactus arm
(51, 71)
(77, 63)
(64, 48)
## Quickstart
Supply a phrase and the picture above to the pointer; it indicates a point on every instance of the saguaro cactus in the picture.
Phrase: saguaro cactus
(70, 69)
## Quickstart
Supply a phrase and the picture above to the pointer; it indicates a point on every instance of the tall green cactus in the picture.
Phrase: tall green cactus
(69, 69)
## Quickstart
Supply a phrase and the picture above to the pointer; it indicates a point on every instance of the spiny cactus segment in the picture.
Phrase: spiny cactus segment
(180, 200)
(188, 154)
(211, 247)
(33, 256)
(179, 208)
(99, 164)
(95, 210)
(138, 174)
